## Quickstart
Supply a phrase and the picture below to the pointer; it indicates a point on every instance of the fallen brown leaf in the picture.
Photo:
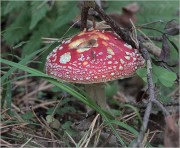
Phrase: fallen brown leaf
(165, 53)
(171, 136)
(128, 12)
(131, 8)
(172, 27)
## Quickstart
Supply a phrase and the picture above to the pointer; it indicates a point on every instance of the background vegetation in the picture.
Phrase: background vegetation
(37, 110)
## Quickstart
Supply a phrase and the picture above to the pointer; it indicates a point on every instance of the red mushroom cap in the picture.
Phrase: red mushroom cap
(93, 57)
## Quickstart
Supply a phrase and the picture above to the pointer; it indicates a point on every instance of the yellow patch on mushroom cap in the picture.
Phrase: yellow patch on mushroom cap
(76, 43)
(104, 43)
(80, 50)
(101, 35)
(95, 33)
(85, 63)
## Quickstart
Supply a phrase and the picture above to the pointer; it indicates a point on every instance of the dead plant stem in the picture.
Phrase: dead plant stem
(152, 99)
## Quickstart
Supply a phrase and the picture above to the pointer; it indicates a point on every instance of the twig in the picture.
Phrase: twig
(153, 135)
(152, 98)
(56, 107)
(5, 143)
(44, 104)
(144, 105)
(72, 140)
(126, 117)
(32, 141)
(176, 91)
(150, 28)
(38, 137)
(157, 125)
(87, 136)
(152, 23)
(145, 54)
(107, 140)
(26, 142)
(166, 113)
(4, 111)
(36, 116)
(84, 15)
(91, 131)
(17, 108)
(154, 38)
(130, 117)
(124, 33)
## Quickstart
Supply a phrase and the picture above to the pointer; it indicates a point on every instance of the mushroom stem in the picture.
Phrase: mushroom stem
(97, 92)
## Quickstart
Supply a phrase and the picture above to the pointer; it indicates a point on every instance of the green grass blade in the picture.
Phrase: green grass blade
(124, 125)
(24, 61)
(9, 97)
(17, 78)
(3, 96)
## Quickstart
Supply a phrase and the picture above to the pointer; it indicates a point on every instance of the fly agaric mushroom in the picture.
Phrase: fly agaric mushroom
(92, 58)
